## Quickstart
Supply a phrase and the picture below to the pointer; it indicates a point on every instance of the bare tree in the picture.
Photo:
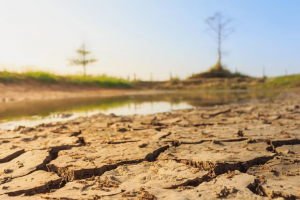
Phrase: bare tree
(82, 60)
(218, 26)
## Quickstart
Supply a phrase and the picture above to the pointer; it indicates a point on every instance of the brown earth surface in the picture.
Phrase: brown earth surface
(237, 151)
(203, 83)
(36, 91)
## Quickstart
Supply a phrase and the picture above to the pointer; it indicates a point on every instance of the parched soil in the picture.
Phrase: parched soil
(36, 91)
(237, 151)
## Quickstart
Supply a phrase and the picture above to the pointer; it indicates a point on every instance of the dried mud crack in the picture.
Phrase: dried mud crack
(242, 151)
(221, 157)
(88, 161)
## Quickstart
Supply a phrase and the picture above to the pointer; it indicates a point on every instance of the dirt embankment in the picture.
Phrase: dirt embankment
(204, 83)
(240, 151)
(42, 91)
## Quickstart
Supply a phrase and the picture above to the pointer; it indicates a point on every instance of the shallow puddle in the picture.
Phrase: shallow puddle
(31, 113)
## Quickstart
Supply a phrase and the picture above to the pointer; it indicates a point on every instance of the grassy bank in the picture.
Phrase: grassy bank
(291, 81)
(280, 82)
(46, 77)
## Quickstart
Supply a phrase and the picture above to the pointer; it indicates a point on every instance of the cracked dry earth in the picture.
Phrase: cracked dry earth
(238, 151)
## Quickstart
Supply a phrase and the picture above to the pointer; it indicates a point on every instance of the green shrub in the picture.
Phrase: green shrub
(41, 76)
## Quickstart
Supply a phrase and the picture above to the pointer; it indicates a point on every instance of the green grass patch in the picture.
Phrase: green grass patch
(41, 76)
(8, 76)
(290, 81)
(46, 77)
(101, 81)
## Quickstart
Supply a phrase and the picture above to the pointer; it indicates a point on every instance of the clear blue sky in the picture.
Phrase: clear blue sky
(144, 36)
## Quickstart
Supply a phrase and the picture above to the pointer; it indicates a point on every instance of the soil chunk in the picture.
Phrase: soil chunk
(34, 183)
(8, 155)
(24, 164)
(279, 177)
(87, 161)
(135, 181)
(219, 157)
(289, 149)
(236, 187)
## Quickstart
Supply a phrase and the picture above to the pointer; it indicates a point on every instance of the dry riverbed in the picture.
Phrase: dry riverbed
(239, 151)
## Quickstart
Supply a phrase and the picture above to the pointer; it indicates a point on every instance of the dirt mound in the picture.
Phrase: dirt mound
(218, 71)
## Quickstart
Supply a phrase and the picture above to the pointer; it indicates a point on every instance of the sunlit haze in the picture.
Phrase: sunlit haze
(149, 36)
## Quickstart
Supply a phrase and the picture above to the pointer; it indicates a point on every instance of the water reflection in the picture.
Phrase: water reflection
(31, 113)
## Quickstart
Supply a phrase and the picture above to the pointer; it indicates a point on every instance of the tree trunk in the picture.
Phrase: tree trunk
(219, 44)
(84, 70)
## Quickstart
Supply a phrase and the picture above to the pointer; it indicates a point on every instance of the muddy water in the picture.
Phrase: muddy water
(31, 113)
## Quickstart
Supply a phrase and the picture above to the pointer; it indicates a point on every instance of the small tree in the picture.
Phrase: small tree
(82, 60)
(218, 25)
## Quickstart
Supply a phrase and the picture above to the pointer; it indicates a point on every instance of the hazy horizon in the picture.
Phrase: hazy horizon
(143, 37)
